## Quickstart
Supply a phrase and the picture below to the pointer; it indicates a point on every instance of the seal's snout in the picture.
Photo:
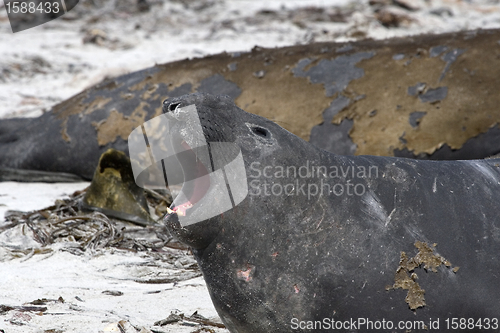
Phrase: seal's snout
(172, 108)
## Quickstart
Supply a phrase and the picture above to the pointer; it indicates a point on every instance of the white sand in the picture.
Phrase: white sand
(50, 63)
(70, 276)
(47, 64)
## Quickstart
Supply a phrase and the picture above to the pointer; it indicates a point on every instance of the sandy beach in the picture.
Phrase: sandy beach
(101, 291)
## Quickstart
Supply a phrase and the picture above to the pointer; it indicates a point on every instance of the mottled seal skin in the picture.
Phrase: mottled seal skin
(426, 97)
(341, 256)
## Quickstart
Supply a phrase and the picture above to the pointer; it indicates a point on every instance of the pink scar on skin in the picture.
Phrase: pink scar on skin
(297, 289)
(245, 274)
(181, 209)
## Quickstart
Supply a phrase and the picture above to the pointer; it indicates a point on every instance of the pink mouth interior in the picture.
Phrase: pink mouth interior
(201, 184)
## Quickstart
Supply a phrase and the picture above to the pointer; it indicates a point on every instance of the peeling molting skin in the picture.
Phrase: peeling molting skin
(334, 74)
(216, 84)
(117, 125)
(434, 95)
(151, 93)
(473, 148)
(332, 137)
(415, 118)
(450, 58)
(426, 94)
(64, 131)
(96, 104)
(232, 66)
(458, 106)
(406, 278)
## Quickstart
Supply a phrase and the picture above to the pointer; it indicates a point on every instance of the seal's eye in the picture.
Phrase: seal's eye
(262, 132)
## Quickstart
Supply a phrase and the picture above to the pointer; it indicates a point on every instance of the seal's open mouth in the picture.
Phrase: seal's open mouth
(196, 179)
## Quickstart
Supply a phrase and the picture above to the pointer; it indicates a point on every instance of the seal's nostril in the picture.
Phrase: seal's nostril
(260, 131)
(173, 106)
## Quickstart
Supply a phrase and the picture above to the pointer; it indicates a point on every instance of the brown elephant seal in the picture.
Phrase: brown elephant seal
(428, 96)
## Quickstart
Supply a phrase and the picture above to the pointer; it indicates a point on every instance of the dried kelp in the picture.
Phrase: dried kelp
(175, 317)
(66, 221)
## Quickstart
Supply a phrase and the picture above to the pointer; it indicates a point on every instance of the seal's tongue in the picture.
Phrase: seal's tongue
(196, 181)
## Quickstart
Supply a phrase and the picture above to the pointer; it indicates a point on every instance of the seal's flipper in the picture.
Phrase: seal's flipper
(114, 192)
(24, 175)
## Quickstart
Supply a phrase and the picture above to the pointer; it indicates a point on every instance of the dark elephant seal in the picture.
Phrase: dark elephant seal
(428, 96)
(357, 243)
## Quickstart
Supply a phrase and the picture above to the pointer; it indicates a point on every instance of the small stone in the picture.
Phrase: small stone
(259, 74)
(391, 17)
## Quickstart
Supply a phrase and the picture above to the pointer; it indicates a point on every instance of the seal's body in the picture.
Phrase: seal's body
(325, 241)
(427, 97)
